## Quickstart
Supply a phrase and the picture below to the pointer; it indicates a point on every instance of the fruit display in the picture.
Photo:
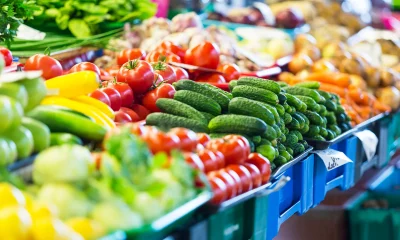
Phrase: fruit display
(347, 74)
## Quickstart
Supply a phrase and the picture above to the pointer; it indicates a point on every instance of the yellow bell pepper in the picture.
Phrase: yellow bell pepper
(74, 84)
(97, 104)
(98, 116)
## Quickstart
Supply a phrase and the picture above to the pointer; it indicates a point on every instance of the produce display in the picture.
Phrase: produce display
(346, 74)
(172, 114)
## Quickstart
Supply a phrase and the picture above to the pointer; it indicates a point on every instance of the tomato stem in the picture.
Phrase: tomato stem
(161, 66)
(132, 64)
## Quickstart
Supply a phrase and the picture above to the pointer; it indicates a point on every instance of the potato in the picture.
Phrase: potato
(300, 62)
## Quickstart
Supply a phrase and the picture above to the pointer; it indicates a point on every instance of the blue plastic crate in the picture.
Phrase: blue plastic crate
(388, 181)
(294, 198)
(341, 177)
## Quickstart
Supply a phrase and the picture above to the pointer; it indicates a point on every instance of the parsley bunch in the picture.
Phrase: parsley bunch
(12, 14)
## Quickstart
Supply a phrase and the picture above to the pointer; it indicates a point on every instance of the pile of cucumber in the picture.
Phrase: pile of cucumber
(274, 117)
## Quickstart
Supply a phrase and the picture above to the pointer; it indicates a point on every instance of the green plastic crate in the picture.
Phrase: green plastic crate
(227, 224)
(256, 218)
(372, 224)
(393, 136)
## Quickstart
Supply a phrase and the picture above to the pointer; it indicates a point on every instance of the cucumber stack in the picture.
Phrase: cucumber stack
(193, 106)
(274, 117)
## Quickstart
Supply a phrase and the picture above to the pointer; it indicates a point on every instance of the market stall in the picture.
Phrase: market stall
(116, 124)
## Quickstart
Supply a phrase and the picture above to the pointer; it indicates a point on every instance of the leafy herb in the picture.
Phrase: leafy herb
(12, 14)
(84, 18)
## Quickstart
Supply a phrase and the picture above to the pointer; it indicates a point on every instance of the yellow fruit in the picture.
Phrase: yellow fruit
(97, 104)
(11, 196)
(74, 84)
(87, 228)
(41, 210)
(97, 115)
(15, 223)
(29, 202)
(53, 229)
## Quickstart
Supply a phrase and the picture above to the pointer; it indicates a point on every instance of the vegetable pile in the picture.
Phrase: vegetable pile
(274, 117)
(83, 18)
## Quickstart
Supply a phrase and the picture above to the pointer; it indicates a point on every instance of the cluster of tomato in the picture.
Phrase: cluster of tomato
(230, 167)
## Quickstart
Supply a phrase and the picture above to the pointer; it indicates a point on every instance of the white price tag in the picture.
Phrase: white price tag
(27, 33)
(369, 142)
(332, 158)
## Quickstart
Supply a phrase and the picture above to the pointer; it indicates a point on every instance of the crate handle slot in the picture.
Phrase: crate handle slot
(280, 184)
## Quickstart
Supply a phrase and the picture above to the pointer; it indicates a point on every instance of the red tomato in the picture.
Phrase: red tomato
(131, 113)
(209, 160)
(244, 174)
(149, 100)
(104, 73)
(8, 58)
(130, 54)
(181, 73)
(220, 159)
(211, 78)
(230, 183)
(127, 97)
(234, 150)
(204, 55)
(141, 111)
(194, 161)
(85, 66)
(241, 139)
(49, 66)
(262, 163)
(199, 147)
(162, 55)
(101, 96)
(255, 174)
(219, 189)
(216, 157)
(230, 71)
(173, 48)
(113, 71)
(142, 130)
(122, 117)
(138, 74)
(114, 96)
(161, 142)
(188, 138)
(204, 138)
(236, 178)
(166, 72)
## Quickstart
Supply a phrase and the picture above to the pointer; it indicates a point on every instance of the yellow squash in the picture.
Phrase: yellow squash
(74, 84)
(97, 104)
(98, 116)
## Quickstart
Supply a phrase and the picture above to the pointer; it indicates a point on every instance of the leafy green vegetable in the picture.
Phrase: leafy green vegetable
(12, 14)
(85, 17)
(65, 163)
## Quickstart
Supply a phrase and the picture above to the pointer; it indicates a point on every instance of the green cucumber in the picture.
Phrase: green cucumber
(260, 83)
(177, 108)
(168, 121)
(310, 84)
(305, 92)
(247, 107)
(256, 94)
(237, 124)
(198, 101)
(208, 91)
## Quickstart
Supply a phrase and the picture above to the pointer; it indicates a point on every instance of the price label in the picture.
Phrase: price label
(369, 141)
(332, 158)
